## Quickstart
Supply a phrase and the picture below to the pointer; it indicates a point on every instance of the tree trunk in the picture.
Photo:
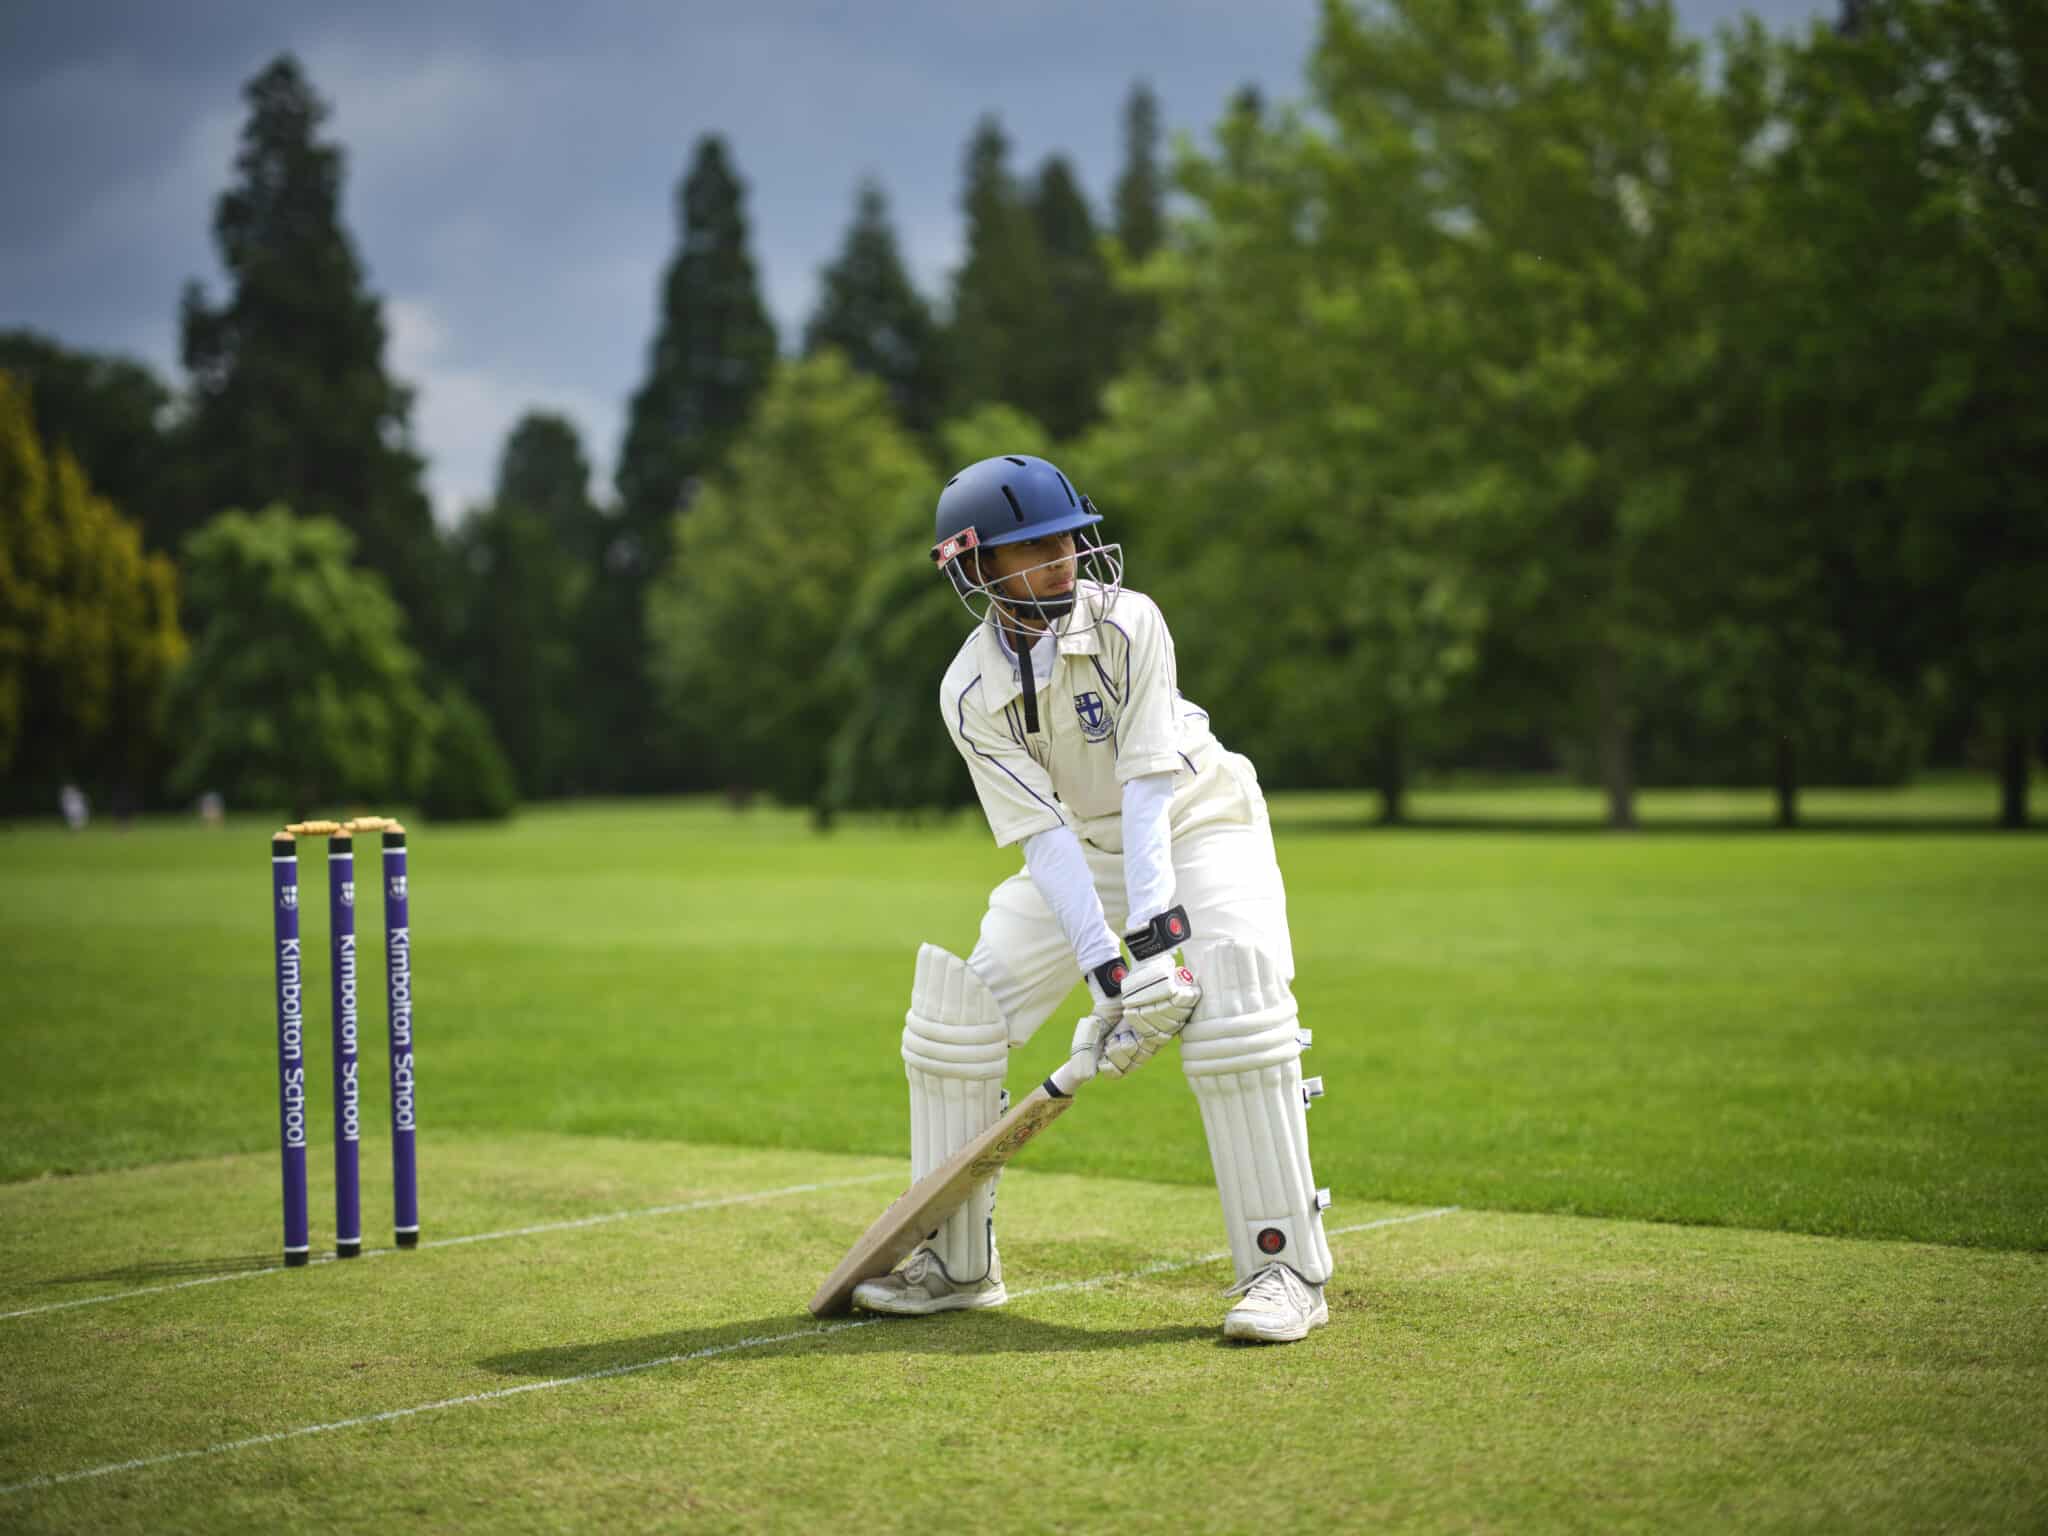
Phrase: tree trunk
(2013, 766)
(1617, 759)
(1787, 782)
(1391, 779)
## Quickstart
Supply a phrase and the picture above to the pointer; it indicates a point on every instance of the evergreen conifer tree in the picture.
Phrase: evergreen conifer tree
(526, 562)
(1002, 294)
(1140, 196)
(1078, 333)
(713, 352)
(291, 403)
(871, 312)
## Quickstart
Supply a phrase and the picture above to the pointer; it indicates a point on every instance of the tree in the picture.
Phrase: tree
(302, 690)
(1080, 329)
(871, 313)
(889, 750)
(1912, 184)
(821, 487)
(290, 401)
(89, 630)
(109, 412)
(1268, 449)
(1003, 321)
(712, 354)
(526, 561)
(1541, 188)
(1140, 196)
(1138, 224)
(544, 470)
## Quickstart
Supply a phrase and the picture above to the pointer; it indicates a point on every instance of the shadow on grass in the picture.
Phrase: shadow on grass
(948, 1333)
(1818, 826)
(172, 1269)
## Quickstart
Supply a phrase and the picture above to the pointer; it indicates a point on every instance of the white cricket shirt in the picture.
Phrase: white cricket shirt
(1109, 710)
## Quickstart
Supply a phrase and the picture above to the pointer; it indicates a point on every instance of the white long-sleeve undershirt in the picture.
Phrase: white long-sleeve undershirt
(1060, 871)
(1148, 847)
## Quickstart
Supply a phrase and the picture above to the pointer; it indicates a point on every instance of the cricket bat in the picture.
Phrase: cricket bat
(939, 1193)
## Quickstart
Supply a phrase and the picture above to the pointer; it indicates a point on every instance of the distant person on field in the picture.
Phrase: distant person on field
(76, 808)
(1133, 819)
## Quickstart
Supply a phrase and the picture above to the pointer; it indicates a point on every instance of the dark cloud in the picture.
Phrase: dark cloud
(512, 166)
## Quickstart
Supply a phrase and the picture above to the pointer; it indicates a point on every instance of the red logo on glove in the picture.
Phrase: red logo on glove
(1187, 977)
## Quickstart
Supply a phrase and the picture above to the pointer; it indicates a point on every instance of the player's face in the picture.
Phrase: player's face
(1035, 568)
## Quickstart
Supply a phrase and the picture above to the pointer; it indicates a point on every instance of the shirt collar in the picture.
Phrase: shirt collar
(999, 680)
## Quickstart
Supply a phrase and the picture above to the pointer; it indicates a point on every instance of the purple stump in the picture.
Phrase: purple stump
(348, 1105)
(291, 1045)
(405, 1178)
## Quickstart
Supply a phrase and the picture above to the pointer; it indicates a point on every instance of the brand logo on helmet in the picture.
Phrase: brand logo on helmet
(954, 547)
(1095, 722)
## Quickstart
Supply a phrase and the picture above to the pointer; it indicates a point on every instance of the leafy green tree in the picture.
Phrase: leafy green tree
(1004, 324)
(873, 315)
(889, 750)
(88, 624)
(1269, 452)
(1913, 185)
(109, 412)
(1532, 198)
(470, 780)
(821, 486)
(1080, 329)
(302, 690)
(290, 400)
(712, 355)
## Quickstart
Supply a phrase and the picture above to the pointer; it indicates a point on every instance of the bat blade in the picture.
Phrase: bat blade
(938, 1194)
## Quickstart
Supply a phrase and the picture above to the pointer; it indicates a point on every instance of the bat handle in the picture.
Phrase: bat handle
(1066, 1077)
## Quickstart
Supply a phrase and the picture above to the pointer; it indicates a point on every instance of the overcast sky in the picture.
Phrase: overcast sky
(511, 166)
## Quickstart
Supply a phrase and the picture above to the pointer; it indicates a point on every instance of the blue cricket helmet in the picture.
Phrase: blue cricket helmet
(1004, 500)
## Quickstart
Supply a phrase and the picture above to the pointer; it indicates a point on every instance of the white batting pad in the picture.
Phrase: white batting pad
(1242, 1055)
(955, 1051)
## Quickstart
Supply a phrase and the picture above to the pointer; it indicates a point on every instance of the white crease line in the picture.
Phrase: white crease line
(761, 1341)
(474, 1237)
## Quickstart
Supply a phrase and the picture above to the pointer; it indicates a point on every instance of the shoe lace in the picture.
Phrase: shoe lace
(1275, 1284)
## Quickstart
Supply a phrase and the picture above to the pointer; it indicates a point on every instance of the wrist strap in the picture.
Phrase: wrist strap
(1109, 976)
(1166, 932)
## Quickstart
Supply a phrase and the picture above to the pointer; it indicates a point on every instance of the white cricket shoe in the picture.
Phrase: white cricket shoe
(1278, 1307)
(921, 1286)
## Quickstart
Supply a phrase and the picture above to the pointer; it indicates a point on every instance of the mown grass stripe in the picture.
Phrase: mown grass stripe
(759, 1341)
(473, 1237)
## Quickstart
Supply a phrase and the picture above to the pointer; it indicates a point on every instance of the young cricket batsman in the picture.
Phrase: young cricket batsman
(1133, 819)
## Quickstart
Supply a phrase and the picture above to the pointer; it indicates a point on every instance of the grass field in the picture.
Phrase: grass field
(1694, 1179)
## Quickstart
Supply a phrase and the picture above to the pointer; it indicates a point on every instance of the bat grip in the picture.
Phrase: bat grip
(1066, 1077)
